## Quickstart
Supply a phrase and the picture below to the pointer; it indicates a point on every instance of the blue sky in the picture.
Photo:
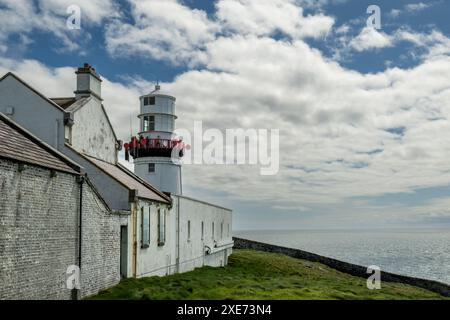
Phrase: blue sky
(368, 109)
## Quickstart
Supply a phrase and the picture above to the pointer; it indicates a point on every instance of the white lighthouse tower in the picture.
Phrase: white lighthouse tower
(153, 154)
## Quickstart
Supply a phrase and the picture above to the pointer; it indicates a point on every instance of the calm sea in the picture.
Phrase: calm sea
(417, 253)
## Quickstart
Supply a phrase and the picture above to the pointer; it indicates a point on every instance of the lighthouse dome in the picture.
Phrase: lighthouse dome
(161, 93)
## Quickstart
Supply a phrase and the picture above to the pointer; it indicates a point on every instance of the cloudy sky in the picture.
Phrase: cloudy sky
(363, 113)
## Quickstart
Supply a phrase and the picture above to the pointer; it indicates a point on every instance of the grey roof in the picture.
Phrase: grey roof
(71, 104)
(19, 145)
(128, 179)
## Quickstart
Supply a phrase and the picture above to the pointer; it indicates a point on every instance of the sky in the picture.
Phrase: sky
(363, 112)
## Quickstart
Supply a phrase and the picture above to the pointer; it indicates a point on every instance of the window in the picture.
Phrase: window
(152, 101)
(203, 230)
(149, 101)
(145, 125)
(67, 134)
(221, 230)
(161, 227)
(149, 123)
(189, 230)
(145, 227)
(146, 100)
(151, 168)
(212, 234)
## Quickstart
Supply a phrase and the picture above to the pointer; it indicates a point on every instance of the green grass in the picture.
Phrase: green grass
(260, 275)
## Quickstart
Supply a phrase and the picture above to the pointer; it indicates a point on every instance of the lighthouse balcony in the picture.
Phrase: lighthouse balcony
(141, 148)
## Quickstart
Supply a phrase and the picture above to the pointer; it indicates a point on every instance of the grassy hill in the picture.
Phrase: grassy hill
(260, 275)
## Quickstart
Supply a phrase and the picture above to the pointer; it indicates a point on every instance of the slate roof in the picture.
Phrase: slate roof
(70, 104)
(17, 144)
(129, 180)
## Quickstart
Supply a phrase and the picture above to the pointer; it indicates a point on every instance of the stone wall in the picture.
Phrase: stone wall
(352, 269)
(39, 217)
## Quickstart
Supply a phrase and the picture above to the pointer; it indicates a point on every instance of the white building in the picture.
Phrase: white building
(160, 233)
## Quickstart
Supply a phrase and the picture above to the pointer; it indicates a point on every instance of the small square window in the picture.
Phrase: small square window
(152, 101)
(146, 101)
(151, 168)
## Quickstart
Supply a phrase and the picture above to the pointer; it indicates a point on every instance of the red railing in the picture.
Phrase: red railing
(152, 144)
(144, 147)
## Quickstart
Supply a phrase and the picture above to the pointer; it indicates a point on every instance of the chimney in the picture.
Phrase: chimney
(89, 83)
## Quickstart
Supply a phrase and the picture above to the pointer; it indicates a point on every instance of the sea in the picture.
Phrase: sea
(422, 253)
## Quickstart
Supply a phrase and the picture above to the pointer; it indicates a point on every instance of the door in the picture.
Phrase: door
(123, 251)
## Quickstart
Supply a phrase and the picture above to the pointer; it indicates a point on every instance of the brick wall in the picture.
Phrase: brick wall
(39, 235)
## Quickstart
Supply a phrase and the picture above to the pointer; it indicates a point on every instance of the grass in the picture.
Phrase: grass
(258, 275)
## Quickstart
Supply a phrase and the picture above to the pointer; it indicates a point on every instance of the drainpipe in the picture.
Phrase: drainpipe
(134, 202)
(76, 292)
(178, 234)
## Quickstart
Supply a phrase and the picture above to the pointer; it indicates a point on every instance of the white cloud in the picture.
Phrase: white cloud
(394, 13)
(182, 36)
(265, 17)
(22, 17)
(163, 29)
(414, 7)
(370, 38)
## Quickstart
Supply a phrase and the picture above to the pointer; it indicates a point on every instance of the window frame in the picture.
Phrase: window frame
(153, 165)
(161, 227)
(203, 231)
(189, 231)
(145, 227)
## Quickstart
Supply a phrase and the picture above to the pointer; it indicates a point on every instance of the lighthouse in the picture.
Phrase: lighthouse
(155, 149)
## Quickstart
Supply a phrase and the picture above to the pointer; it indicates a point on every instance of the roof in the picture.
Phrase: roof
(71, 104)
(128, 179)
(160, 93)
(18, 144)
(64, 102)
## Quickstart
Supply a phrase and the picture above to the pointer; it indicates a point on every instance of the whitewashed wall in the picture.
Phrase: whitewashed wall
(92, 132)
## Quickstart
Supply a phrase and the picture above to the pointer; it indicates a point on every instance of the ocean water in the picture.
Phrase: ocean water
(418, 253)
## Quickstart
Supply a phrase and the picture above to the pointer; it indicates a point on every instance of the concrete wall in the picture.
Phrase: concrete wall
(192, 249)
(352, 269)
(39, 235)
(92, 134)
(32, 112)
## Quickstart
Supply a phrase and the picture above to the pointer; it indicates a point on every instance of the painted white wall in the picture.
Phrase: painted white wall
(92, 132)
(167, 175)
(192, 249)
(156, 260)
(32, 112)
(182, 253)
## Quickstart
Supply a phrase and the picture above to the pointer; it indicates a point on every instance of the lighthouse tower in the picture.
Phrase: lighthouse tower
(156, 146)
